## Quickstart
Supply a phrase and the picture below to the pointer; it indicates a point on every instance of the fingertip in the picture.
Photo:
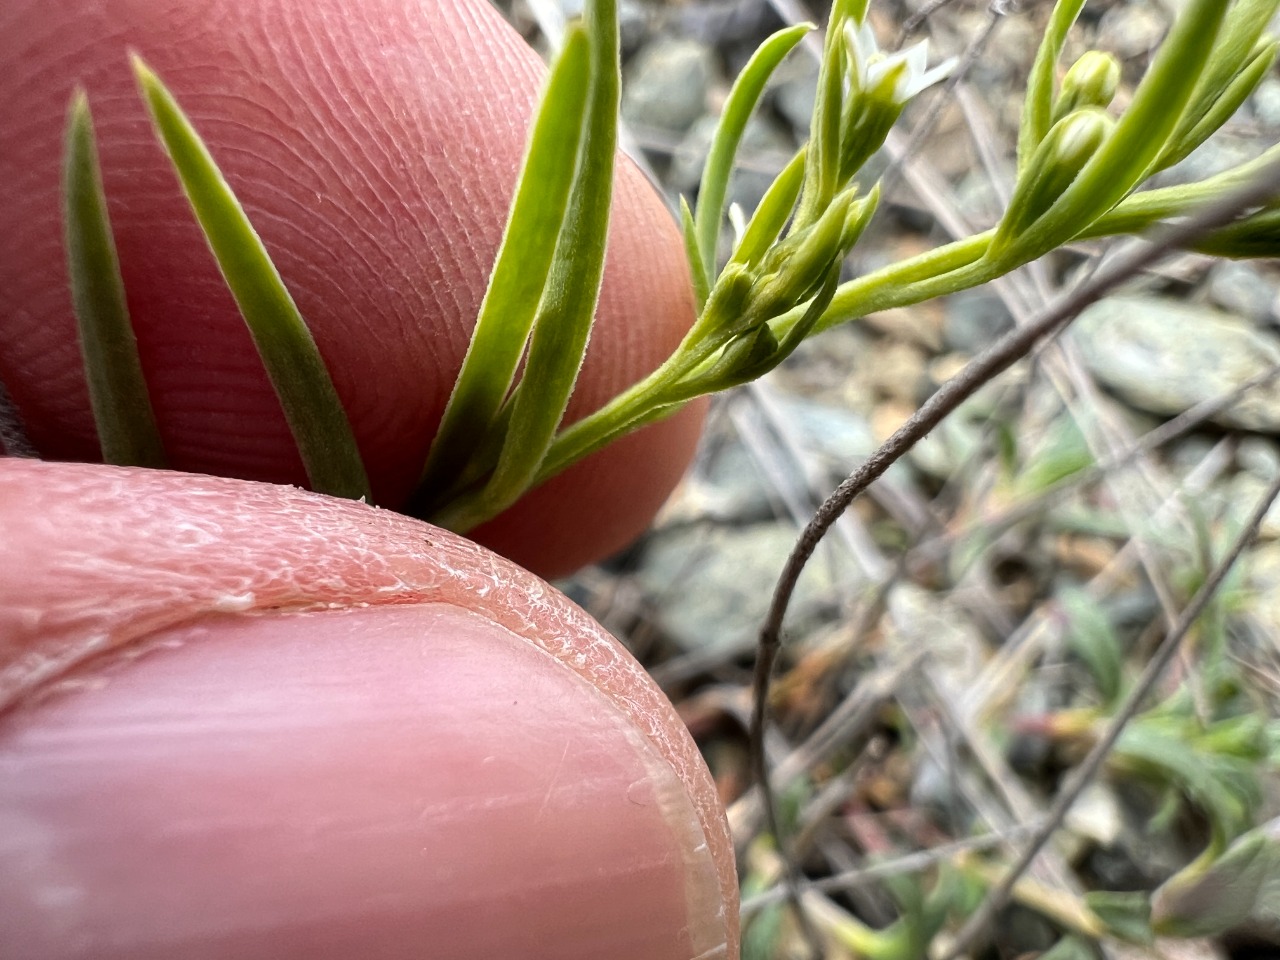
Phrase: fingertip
(356, 783)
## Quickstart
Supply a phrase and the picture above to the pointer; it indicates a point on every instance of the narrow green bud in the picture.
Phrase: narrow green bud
(793, 269)
(727, 307)
(866, 126)
(748, 357)
(856, 220)
(1069, 145)
(1092, 81)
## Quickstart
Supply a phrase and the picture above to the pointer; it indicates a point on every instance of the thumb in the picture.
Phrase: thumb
(239, 720)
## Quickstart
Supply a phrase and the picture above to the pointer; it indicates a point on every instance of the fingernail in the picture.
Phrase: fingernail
(379, 782)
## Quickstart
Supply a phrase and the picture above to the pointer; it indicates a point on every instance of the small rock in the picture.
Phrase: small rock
(760, 140)
(841, 437)
(1266, 102)
(667, 84)
(1262, 576)
(1097, 815)
(975, 320)
(1240, 288)
(1260, 457)
(1164, 357)
(900, 372)
(712, 588)
(1189, 452)
(634, 24)
(1132, 30)
(1243, 494)
(690, 155)
(728, 486)
(1216, 155)
(795, 90)
(923, 620)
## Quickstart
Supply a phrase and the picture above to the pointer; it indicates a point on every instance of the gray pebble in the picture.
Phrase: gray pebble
(1164, 356)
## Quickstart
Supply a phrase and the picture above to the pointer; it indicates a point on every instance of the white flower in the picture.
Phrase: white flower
(907, 69)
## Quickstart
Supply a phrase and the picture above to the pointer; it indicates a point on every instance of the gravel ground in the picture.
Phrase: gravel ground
(970, 626)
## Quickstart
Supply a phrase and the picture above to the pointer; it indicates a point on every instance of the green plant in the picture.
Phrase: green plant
(1080, 170)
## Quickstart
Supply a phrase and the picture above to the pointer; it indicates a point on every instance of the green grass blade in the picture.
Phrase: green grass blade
(738, 108)
(122, 413)
(521, 268)
(567, 310)
(292, 360)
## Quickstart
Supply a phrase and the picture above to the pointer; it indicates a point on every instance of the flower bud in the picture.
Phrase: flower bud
(749, 356)
(792, 269)
(1091, 82)
(1069, 145)
(728, 304)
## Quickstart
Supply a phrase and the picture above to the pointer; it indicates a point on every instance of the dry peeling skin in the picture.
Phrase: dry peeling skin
(375, 146)
(246, 721)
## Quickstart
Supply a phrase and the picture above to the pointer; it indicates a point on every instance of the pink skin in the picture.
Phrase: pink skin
(241, 720)
(374, 145)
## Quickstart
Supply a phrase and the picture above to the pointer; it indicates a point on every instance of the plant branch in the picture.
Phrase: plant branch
(980, 371)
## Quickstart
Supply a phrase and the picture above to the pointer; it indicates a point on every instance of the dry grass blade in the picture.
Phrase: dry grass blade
(908, 863)
(1088, 769)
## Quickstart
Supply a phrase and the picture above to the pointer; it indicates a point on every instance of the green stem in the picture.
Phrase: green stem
(936, 272)
(901, 284)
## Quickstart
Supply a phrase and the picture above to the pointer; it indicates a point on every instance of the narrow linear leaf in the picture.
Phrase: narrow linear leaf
(1093, 639)
(1218, 112)
(1215, 894)
(697, 269)
(122, 412)
(1127, 914)
(738, 107)
(565, 315)
(1139, 211)
(1253, 237)
(771, 215)
(822, 159)
(293, 363)
(521, 269)
(1236, 47)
